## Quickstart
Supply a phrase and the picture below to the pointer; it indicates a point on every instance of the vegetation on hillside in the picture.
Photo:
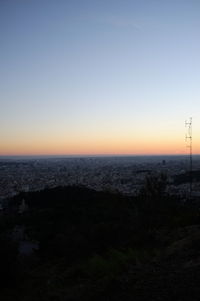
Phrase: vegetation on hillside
(101, 246)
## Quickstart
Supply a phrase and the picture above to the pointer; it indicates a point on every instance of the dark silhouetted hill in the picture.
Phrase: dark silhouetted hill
(101, 246)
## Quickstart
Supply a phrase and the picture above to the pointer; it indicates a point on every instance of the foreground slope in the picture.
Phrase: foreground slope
(100, 246)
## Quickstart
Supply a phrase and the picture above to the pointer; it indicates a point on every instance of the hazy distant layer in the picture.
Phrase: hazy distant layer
(121, 158)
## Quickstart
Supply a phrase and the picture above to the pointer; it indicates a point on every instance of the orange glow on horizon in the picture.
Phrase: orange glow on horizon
(112, 142)
(98, 147)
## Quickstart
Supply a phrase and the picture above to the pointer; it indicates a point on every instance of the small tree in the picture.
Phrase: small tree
(152, 201)
(155, 186)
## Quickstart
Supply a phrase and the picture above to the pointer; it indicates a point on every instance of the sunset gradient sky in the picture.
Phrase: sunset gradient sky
(99, 76)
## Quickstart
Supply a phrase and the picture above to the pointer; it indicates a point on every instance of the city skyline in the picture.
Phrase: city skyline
(99, 77)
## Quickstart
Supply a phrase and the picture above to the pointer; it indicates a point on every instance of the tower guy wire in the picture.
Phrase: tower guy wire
(188, 139)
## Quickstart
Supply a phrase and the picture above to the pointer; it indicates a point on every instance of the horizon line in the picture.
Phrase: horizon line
(95, 155)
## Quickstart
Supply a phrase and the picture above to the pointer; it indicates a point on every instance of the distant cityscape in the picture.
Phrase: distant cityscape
(124, 174)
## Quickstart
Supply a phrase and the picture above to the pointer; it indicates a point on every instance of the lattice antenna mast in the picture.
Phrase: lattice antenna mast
(188, 139)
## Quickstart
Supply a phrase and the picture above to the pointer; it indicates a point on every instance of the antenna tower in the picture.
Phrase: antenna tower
(188, 139)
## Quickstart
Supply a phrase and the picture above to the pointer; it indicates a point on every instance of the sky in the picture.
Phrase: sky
(99, 76)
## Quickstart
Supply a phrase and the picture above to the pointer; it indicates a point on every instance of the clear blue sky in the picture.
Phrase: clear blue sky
(98, 76)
